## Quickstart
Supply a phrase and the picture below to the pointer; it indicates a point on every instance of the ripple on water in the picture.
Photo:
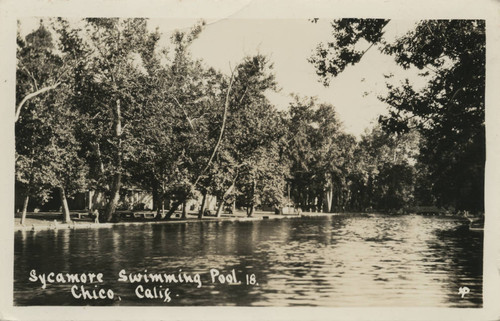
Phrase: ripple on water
(337, 261)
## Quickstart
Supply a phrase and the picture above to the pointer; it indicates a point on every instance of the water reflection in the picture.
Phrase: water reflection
(333, 261)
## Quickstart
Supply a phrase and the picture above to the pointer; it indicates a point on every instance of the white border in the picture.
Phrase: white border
(11, 10)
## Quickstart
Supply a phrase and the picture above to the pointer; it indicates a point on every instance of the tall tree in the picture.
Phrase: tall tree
(253, 128)
(320, 152)
(39, 68)
(448, 111)
(177, 100)
(47, 151)
(108, 94)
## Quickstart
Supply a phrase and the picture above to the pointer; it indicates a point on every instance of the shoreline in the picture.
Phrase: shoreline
(53, 220)
(41, 223)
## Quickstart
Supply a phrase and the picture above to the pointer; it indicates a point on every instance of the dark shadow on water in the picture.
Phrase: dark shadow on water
(334, 261)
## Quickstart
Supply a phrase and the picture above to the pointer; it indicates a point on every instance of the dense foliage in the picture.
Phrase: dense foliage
(102, 107)
(448, 111)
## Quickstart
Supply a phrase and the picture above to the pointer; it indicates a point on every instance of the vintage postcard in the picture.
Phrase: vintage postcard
(255, 160)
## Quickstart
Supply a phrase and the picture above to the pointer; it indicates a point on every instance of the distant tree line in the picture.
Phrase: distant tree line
(100, 106)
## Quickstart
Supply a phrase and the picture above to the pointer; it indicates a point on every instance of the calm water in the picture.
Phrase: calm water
(335, 261)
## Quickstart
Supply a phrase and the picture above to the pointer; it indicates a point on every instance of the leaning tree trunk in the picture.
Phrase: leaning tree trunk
(64, 205)
(25, 209)
(202, 207)
(174, 208)
(219, 208)
(109, 214)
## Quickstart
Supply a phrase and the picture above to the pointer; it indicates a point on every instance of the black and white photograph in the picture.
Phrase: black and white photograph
(307, 161)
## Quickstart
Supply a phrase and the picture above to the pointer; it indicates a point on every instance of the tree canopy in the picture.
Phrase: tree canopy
(448, 111)
(101, 106)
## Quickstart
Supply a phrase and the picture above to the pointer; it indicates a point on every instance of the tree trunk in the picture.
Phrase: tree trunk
(157, 208)
(64, 204)
(162, 200)
(155, 199)
(226, 193)
(221, 134)
(158, 204)
(202, 207)
(109, 214)
(97, 199)
(25, 209)
(250, 210)
(252, 204)
(97, 150)
(321, 202)
(90, 206)
(174, 208)
(184, 210)
(219, 208)
(329, 199)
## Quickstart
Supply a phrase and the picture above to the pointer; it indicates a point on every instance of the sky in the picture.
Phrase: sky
(288, 43)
